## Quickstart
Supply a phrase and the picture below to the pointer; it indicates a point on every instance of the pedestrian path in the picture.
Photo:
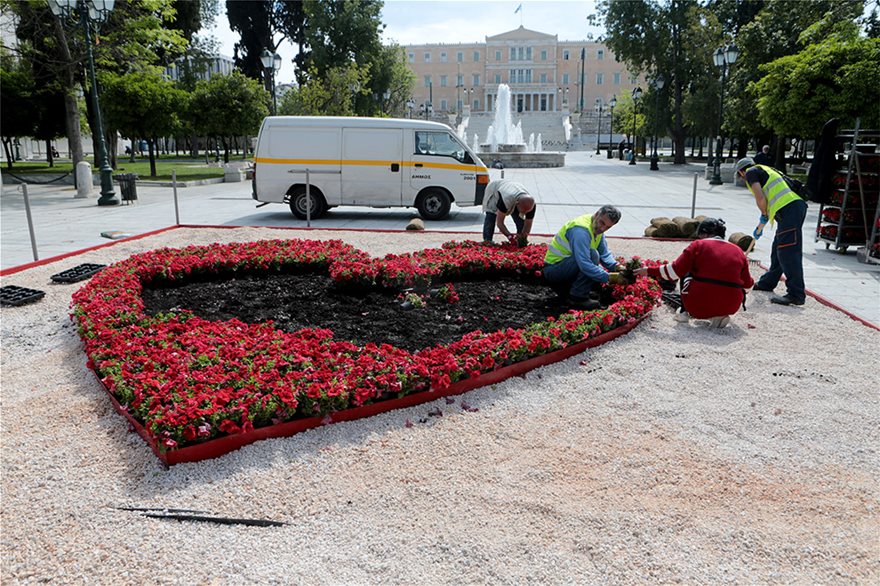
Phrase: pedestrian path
(63, 223)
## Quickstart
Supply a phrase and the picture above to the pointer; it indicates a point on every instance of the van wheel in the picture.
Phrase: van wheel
(298, 203)
(434, 204)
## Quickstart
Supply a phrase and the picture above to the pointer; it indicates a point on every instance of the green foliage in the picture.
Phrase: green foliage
(331, 95)
(228, 105)
(837, 77)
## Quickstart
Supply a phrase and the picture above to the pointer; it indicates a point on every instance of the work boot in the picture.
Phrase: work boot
(759, 288)
(720, 322)
(582, 303)
(681, 316)
(786, 300)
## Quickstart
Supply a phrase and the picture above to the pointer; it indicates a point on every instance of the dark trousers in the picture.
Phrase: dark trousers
(489, 225)
(787, 254)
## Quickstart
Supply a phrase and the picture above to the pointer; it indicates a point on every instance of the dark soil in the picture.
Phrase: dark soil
(296, 301)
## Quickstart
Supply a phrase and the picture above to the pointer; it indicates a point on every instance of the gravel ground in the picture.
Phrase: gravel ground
(676, 453)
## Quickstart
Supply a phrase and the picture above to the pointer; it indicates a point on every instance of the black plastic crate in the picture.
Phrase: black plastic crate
(13, 295)
(77, 273)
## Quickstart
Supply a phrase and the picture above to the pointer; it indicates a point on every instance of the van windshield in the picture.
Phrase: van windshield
(441, 144)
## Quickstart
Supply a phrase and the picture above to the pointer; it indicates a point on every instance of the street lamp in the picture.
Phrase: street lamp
(723, 58)
(659, 82)
(563, 93)
(87, 11)
(637, 95)
(612, 103)
(271, 64)
(410, 106)
(599, 111)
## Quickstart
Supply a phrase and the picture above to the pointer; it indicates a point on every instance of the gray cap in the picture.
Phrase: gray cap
(743, 163)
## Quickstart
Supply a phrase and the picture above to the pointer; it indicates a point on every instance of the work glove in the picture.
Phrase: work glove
(759, 230)
(616, 279)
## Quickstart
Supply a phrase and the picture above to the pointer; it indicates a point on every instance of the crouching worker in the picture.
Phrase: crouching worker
(575, 258)
(714, 274)
(508, 198)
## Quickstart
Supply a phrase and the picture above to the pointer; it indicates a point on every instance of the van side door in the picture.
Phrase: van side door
(371, 166)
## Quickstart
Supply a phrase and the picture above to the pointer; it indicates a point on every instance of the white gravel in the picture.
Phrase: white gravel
(676, 453)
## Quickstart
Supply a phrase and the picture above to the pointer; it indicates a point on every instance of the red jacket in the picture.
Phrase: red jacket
(710, 262)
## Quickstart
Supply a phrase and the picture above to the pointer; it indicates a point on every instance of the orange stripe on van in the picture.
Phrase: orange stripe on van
(369, 163)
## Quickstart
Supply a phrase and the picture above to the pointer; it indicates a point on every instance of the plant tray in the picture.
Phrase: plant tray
(672, 299)
(13, 295)
(77, 273)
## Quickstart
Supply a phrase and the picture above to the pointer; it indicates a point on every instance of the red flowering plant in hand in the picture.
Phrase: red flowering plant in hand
(188, 380)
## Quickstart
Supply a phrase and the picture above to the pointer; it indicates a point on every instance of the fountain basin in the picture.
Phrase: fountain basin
(523, 160)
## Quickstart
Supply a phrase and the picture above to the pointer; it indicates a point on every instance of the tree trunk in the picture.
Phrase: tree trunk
(225, 150)
(150, 144)
(71, 108)
(780, 153)
(7, 143)
(49, 156)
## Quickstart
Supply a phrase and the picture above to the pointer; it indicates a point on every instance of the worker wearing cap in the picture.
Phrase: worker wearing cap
(508, 198)
(777, 202)
(578, 257)
(713, 274)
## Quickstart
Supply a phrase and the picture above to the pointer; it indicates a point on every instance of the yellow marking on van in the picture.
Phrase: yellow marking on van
(368, 163)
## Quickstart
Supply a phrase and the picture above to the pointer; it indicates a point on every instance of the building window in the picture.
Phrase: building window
(444, 105)
(497, 55)
(565, 55)
(427, 57)
(476, 56)
(543, 78)
(544, 55)
(459, 56)
(600, 54)
(443, 58)
(497, 78)
(476, 79)
(529, 53)
(632, 78)
(564, 79)
(476, 105)
(600, 78)
(442, 81)
(427, 81)
(411, 57)
(617, 78)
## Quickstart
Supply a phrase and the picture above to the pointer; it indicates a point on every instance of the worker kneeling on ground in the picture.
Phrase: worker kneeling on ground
(508, 198)
(714, 275)
(575, 258)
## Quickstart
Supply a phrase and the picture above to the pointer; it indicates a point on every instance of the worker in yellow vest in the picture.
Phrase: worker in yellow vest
(778, 202)
(578, 257)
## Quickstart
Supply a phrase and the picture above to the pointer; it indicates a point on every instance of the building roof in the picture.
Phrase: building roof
(520, 34)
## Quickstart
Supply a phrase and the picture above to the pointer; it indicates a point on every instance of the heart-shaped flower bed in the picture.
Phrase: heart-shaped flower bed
(186, 381)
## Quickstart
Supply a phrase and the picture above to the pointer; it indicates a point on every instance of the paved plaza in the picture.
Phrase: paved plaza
(65, 224)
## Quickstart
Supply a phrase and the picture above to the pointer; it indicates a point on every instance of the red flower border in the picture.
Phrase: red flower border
(186, 382)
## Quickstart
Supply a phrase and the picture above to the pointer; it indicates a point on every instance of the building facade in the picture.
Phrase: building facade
(544, 73)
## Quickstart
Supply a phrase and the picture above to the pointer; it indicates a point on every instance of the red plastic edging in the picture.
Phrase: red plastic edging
(36, 263)
(229, 443)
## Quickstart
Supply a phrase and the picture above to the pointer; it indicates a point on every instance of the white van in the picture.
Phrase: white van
(374, 162)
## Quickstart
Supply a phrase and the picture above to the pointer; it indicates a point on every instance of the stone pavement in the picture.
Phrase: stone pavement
(65, 224)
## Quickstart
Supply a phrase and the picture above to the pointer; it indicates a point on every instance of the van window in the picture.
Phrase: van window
(441, 144)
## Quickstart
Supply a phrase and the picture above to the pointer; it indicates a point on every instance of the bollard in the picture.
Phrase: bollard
(30, 220)
(694, 197)
(174, 187)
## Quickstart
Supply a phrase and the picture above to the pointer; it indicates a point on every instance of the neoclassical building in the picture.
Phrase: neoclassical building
(544, 73)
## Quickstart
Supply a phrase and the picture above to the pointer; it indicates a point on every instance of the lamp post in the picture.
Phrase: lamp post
(724, 56)
(87, 11)
(637, 95)
(583, 58)
(612, 103)
(599, 111)
(271, 64)
(563, 95)
(659, 82)
(410, 106)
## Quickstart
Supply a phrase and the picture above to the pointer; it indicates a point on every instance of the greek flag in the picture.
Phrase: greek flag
(518, 8)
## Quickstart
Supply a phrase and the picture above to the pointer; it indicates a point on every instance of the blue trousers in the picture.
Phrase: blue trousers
(787, 254)
(489, 225)
(567, 280)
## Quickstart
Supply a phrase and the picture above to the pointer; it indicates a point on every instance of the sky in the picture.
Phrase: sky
(459, 21)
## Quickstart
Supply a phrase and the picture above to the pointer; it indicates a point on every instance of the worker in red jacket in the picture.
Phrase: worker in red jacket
(714, 275)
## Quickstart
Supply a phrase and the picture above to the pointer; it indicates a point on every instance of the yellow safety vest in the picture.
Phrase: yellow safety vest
(560, 248)
(777, 192)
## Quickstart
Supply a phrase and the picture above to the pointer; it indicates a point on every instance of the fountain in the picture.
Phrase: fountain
(505, 144)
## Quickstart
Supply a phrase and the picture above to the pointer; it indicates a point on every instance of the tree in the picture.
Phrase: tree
(17, 113)
(333, 94)
(836, 77)
(227, 106)
(668, 38)
(258, 23)
(143, 105)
